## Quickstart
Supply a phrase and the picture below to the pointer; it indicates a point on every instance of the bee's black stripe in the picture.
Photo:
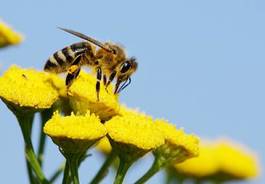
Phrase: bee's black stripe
(59, 60)
(49, 65)
(79, 48)
(65, 51)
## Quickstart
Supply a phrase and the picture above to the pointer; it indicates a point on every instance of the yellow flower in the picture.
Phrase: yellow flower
(220, 160)
(82, 94)
(134, 130)
(104, 145)
(236, 161)
(74, 134)
(8, 36)
(179, 146)
(132, 136)
(27, 88)
(204, 165)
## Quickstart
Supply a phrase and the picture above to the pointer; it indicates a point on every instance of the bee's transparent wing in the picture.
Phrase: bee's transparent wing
(87, 38)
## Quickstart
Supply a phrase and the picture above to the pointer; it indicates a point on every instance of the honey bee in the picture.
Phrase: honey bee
(108, 60)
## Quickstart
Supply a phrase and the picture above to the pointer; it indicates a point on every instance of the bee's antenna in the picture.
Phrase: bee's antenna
(87, 38)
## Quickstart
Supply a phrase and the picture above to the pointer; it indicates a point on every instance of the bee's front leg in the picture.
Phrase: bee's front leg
(111, 78)
(99, 76)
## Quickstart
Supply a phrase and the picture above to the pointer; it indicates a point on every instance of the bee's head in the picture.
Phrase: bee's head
(125, 70)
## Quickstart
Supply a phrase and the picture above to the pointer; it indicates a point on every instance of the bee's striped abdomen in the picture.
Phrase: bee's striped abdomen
(62, 59)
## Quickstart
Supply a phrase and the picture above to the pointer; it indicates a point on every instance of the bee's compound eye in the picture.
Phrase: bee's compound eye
(125, 67)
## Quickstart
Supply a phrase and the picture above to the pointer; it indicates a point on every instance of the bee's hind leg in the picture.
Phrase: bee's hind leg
(72, 74)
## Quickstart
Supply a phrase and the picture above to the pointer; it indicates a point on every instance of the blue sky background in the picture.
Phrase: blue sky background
(201, 66)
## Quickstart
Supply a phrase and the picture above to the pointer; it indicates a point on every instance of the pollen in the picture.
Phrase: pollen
(202, 166)
(178, 138)
(243, 164)
(83, 97)
(138, 131)
(27, 88)
(87, 127)
(8, 36)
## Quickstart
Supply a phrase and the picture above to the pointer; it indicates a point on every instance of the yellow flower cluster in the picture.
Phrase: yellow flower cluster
(131, 133)
(27, 88)
(8, 36)
(120, 131)
(222, 159)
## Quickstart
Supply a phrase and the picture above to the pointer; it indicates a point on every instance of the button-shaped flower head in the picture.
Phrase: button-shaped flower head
(27, 88)
(178, 146)
(75, 133)
(83, 97)
(8, 36)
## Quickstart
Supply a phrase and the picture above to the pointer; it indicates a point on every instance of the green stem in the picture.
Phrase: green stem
(197, 181)
(151, 172)
(73, 164)
(25, 121)
(122, 170)
(104, 169)
(30, 174)
(180, 180)
(216, 182)
(57, 173)
(45, 116)
(66, 173)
